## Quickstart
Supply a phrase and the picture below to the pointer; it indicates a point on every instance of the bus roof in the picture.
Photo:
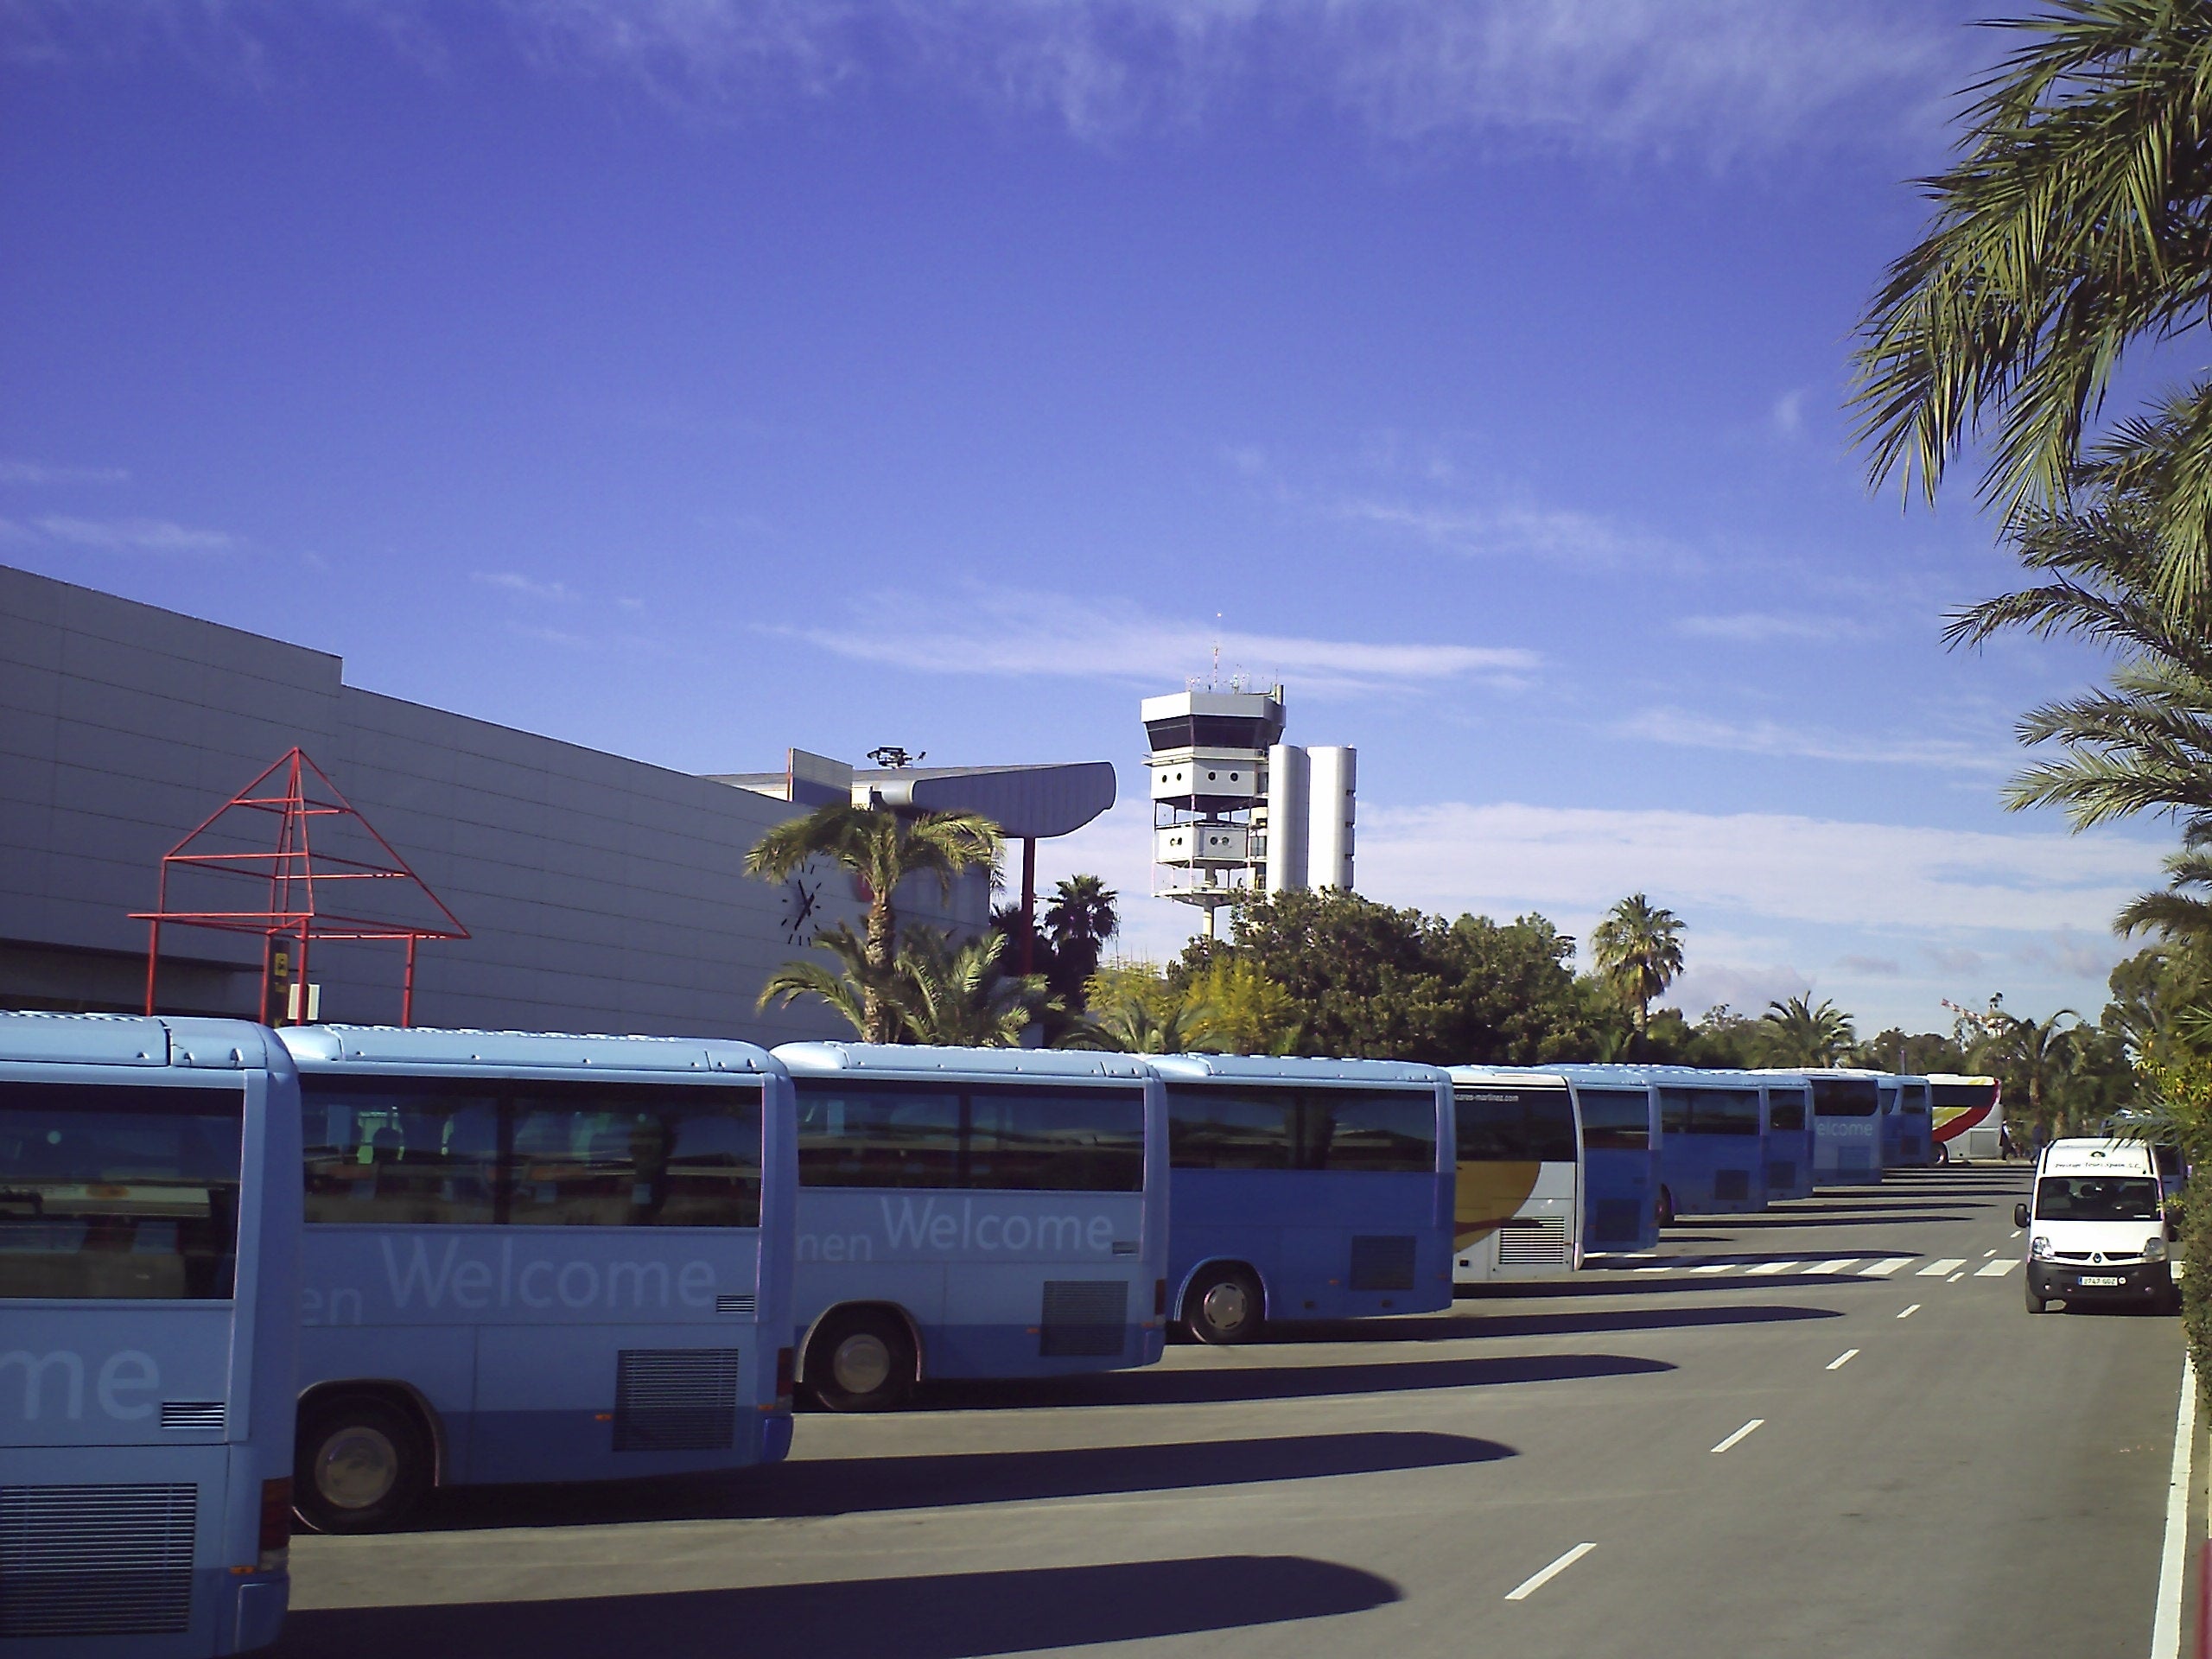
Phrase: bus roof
(132, 1039)
(1561, 1075)
(914, 1059)
(416, 1046)
(1288, 1068)
(1957, 1076)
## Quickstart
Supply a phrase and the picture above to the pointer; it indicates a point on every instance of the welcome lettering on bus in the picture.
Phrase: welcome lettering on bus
(460, 1279)
(946, 1227)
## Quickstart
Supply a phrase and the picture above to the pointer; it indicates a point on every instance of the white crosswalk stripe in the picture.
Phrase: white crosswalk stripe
(1948, 1265)
(1996, 1269)
(1841, 1264)
(1886, 1266)
(1769, 1267)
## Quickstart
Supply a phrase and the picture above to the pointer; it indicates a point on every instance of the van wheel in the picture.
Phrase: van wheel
(860, 1361)
(1223, 1306)
(360, 1465)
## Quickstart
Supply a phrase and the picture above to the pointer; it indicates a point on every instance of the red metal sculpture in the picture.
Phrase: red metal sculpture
(304, 901)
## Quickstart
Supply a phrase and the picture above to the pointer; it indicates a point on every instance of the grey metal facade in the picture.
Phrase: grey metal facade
(602, 894)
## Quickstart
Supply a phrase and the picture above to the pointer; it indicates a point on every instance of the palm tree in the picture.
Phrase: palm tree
(1135, 1010)
(1798, 1033)
(2077, 223)
(1080, 919)
(959, 994)
(839, 986)
(882, 849)
(1638, 949)
(2040, 1054)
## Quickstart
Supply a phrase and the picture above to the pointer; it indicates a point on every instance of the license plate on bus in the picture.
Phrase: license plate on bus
(2102, 1278)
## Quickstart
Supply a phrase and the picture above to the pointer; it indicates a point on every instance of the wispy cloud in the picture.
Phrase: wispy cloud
(1713, 79)
(134, 534)
(18, 471)
(1909, 879)
(1876, 966)
(514, 581)
(1562, 534)
(1953, 958)
(1680, 729)
(1761, 627)
(1787, 418)
(1000, 632)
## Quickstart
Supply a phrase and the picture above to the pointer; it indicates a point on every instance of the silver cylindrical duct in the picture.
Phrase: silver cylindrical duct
(1332, 788)
(1286, 818)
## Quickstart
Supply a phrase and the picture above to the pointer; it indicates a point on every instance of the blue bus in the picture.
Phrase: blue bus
(1618, 1110)
(1789, 1136)
(150, 1233)
(1846, 1126)
(1517, 1204)
(974, 1212)
(1304, 1189)
(536, 1258)
(1712, 1151)
(1908, 1129)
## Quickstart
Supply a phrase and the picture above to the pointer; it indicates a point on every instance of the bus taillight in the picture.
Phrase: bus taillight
(276, 1524)
(786, 1366)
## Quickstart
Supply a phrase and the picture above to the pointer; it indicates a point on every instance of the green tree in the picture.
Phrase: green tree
(883, 850)
(2035, 1058)
(839, 987)
(1234, 1009)
(1136, 1009)
(2074, 227)
(1082, 918)
(1801, 1032)
(960, 995)
(1638, 948)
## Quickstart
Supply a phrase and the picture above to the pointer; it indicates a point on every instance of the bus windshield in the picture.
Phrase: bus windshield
(1615, 1120)
(1845, 1096)
(1785, 1110)
(1511, 1125)
(2096, 1198)
(111, 1192)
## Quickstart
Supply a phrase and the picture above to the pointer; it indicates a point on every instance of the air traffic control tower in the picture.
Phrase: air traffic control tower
(1237, 812)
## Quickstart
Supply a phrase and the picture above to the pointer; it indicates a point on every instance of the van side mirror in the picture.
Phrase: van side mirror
(2019, 1215)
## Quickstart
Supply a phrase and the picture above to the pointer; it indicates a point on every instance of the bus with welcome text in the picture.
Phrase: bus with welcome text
(974, 1212)
(1846, 1124)
(1312, 1189)
(1967, 1118)
(150, 1229)
(1908, 1138)
(536, 1257)
(1713, 1142)
(1790, 1134)
(1517, 1208)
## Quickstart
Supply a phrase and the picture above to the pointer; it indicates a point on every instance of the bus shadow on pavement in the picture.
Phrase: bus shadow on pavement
(1447, 1327)
(947, 1616)
(1847, 1218)
(1190, 1386)
(822, 1486)
(1616, 1281)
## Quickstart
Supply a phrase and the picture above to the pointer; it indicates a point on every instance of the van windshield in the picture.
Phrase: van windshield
(2096, 1198)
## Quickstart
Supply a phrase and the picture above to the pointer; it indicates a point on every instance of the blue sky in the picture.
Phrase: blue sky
(694, 377)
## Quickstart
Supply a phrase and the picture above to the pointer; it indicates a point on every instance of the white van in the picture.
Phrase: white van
(2097, 1228)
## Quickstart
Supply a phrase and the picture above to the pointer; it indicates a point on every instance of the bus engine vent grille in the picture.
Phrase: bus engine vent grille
(96, 1560)
(676, 1399)
(192, 1414)
(743, 1302)
(1731, 1185)
(1782, 1174)
(1084, 1319)
(1382, 1262)
(1539, 1241)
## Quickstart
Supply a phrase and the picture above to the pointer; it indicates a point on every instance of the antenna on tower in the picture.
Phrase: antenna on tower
(1214, 683)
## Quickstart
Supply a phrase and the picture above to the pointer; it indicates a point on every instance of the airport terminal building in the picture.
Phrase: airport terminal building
(600, 893)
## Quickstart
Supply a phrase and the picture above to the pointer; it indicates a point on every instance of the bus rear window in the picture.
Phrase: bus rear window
(1015, 1138)
(1914, 1099)
(1615, 1120)
(1964, 1096)
(1785, 1109)
(1845, 1096)
(1709, 1112)
(1500, 1124)
(109, 1191)
(1386, 1130)
(2096, 1198)
(1243, 1126)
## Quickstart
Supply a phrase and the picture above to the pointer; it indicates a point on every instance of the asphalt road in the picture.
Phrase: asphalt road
(1969, 1481)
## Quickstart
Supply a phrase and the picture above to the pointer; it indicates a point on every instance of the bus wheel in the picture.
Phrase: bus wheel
(860, 1361)
(361, 1465)
(1223, 1306)
(1666, 1208)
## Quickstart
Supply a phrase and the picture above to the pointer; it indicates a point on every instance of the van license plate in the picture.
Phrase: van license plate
(2102, 1278)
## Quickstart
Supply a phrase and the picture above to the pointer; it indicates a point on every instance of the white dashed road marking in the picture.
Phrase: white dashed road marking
(1529, 1586)
(1843, 1359)
(1910, 1311)
(1739, 1434)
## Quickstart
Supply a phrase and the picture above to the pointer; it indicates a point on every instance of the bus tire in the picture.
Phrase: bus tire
(860, 1360)
(362, 1463)
(1666, 1208)
(1224, 1306)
